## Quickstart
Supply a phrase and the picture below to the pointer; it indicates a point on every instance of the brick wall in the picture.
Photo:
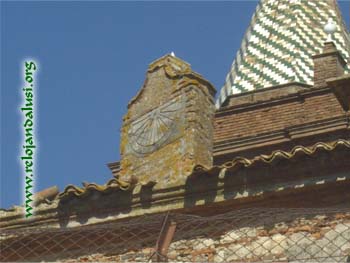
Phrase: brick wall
(263, 117)
(308, 237)
(329, 64)
(282, 114)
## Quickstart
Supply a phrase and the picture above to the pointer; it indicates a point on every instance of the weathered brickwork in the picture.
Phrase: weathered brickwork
(316, 238)
(341, 89)
(286, 115)
(229, 182)
(169, 125)
(329, 64)
(267, 94)
(269, 116)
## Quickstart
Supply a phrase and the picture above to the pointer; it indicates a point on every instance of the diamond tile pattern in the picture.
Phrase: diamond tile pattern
(279, 44)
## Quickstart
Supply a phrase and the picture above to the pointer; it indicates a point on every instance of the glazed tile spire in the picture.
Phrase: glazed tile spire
(279, 44)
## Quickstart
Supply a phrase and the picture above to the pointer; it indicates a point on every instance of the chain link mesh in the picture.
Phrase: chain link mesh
(248, 235)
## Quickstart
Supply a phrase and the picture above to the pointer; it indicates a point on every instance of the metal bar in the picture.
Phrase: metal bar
(170, 231)
(165, 237)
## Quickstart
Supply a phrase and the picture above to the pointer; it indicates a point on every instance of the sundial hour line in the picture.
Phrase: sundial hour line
(143, 126)
(142, 118)
(166, 125)
(158, 129)
(134, 125)
(141, 133)
(175, 110)
(165, 116)
(150, 133)
(145, 116)
(154, 131)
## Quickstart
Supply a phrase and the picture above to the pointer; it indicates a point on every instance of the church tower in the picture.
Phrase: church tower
(279, 43)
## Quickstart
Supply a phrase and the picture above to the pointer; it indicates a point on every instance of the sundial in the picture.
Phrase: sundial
(167, 130)
(154, 129)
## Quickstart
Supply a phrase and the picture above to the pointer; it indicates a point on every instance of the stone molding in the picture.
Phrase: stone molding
(236, 184)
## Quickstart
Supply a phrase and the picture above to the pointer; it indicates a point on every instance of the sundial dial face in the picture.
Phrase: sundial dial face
(156, 128)
(168, 128)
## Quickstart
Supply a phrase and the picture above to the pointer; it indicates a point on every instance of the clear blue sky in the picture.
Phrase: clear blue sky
(93, 57)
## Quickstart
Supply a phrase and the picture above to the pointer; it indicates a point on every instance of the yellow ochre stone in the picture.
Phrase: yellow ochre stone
(168, 124)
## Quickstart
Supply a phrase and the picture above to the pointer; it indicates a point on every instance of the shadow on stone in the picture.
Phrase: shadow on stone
(146, 195)
(200, 187)
(96, 204)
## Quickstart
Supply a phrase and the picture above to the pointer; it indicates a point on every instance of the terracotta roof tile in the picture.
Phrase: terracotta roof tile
(72, 191)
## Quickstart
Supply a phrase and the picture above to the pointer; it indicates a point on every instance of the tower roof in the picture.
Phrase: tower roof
(279, 44)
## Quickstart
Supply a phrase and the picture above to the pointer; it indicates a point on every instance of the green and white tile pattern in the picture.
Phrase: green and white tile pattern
(280, 42)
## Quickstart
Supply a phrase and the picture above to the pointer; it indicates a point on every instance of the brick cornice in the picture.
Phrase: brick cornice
(341, 89)
(331, 53)
(298, 96)
(283, 135)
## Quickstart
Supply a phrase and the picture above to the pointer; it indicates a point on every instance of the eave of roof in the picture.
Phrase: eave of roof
(81, 192)
(72, 191)
(228, 184)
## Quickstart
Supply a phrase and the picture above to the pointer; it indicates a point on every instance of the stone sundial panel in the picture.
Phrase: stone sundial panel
(156, 128)
(167, 130)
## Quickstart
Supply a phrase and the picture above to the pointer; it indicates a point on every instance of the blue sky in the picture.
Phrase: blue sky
(92, 60)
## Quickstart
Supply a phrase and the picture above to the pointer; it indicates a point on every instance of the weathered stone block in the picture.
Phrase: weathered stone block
(203, 243)
(168, 128)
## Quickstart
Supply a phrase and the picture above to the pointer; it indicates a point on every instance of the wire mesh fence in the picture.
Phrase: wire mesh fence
(248, 235)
